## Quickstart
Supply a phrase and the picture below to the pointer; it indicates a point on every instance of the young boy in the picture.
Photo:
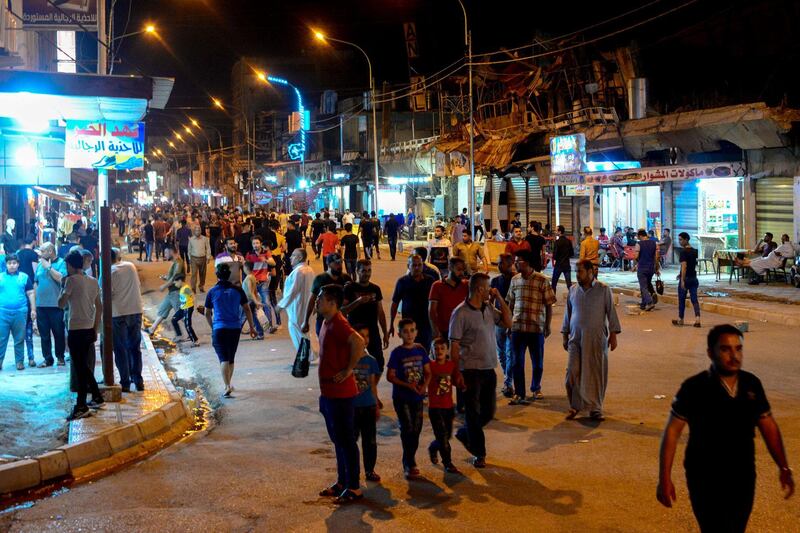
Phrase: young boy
(82, 294)
(367, 406)
(440, 403)
(186, 311)
(249, 286)
(409, 371)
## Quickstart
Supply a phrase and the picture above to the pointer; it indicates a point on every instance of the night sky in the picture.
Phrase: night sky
(691, 50)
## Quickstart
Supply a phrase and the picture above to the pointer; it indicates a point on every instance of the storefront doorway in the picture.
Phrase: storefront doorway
(634, 206)
(718, 212)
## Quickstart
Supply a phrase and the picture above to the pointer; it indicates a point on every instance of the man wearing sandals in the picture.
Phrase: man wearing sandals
(340, 348)
(589, 329)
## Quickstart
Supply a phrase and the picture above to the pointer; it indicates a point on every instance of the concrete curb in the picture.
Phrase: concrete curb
(735, 311)
(100, 454)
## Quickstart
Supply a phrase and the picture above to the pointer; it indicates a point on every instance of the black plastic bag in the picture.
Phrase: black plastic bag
(301, 360)
(659, 286)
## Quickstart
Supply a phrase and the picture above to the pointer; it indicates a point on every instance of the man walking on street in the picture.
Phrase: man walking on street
(332, 276)
(722, 406)
(477, 221)
(225, 304)
(348, 247)
(589, 329)
(647, 265)
(505, 263)
(445, 296)
(296, 295)
(531, 300)
(471, 252)
(182, 236)
(413, 290)
(82, 294)
(126, 311)
(263, 270)
(199, 249)
(340, 350)
(49, 316)
(472, 343)
(562, 253)
(363, 305)
(392, 229)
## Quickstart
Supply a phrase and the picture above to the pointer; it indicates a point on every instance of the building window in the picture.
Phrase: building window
(65, 53)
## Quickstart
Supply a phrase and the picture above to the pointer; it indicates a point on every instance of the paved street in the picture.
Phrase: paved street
(267, 455)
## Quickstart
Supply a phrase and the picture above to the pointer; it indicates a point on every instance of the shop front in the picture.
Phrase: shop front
(705, 200)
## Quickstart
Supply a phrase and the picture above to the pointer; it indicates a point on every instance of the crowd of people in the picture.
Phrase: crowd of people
(454, 323)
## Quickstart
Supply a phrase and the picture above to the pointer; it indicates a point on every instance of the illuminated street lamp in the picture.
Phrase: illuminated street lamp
(298, 150)
(318, 35)
(150, 29)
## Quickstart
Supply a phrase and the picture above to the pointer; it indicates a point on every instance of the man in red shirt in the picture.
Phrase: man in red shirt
(263, 268)
(447, 295)
(329, 242)
(340, 348)
(517, 243)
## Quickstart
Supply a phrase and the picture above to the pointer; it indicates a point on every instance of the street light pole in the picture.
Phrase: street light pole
(468, 47)
(320, 36)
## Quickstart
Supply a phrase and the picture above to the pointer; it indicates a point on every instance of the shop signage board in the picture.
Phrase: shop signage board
(104, 144)
(68, 15)
(568, 154)
(653, 174)
(263, 197)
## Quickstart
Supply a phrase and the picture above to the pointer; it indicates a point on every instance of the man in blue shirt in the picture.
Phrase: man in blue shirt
(224, 304)
(16, 294)
(49, 316)
(647, 265)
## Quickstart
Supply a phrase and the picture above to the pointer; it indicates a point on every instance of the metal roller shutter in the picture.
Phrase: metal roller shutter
(564, 213)
(684, 209)
(500, 200)
(775, 206)
(517, 201)
(537, 204)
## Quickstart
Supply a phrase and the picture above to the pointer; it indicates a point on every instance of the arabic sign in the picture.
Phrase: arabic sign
(70, 14)
(568, 153)
(654, 174)
(107, 144)
(263, 197)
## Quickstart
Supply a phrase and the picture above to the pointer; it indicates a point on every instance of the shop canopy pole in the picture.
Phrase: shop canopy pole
(591, 207)
(104, 218)
(555, 190)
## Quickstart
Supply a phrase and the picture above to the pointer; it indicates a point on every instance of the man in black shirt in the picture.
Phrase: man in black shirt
(332, 276)
(722, 406)
(413, 291)
(349, 244)
(362, 305)
(367, 233)
(391, 229)
(562, 253)
(294, 240)
(537, 243)
(318, 227)
(268, 237)
(244, 240)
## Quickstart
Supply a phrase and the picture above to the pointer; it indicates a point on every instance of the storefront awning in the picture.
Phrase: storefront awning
(56, 195)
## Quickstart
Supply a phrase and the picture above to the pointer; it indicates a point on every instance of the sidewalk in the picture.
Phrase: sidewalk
(777, 302)
(121, 432)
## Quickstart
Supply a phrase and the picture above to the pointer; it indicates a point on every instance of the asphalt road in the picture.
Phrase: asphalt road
(261, 465)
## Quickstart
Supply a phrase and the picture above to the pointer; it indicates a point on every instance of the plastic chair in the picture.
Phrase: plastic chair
(774, 272)
(707, 259)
